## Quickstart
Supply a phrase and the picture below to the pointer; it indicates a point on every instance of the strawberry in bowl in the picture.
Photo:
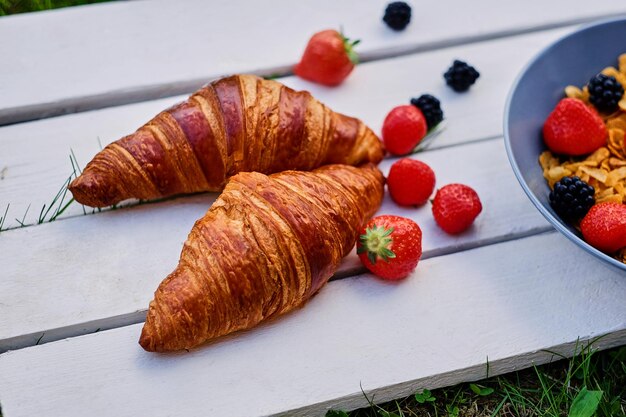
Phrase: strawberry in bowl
(572, 118)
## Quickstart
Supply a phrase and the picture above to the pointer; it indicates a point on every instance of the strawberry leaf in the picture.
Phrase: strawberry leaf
(386, 254)
(349, 45)
(375, 242)
(430, 136)
(372, 257)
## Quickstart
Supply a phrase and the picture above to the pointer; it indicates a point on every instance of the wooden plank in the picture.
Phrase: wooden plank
(374, 89)
(29, 183)
(436, 328)
(101, 271)
(80, 275)
(132, 51)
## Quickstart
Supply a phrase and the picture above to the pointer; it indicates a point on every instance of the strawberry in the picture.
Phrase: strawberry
(604, 226)
(455, 207)
(403, 128)
(410, 182)
(573, 128)
(390, 246)
(328, 58)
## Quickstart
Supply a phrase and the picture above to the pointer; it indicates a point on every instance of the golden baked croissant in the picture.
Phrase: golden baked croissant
(265, 246)
(237, 124)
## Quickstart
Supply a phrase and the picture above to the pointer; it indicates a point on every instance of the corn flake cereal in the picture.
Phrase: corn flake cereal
(604, 169)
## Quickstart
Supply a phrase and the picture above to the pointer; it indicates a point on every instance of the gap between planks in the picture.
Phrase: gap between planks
(350, 267)
(505, 302)
(127, 204)
(120, 270)
(470, 117)
(127, 95)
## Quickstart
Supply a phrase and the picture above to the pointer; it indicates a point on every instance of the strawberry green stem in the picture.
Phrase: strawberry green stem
(349, 47)
(376, 242)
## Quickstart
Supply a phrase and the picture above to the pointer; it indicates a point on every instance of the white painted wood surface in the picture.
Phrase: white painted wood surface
(503, 290)
(101, 271)
(372, 91)
(102, 55)
(437, 327)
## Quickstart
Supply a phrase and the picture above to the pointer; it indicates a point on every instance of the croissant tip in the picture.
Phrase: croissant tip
(79, 191)
(153, 333)
(146, 341)
(91, 189)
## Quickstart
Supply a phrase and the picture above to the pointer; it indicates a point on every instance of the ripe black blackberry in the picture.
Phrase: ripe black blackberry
(460, 76)
(430, 107)
(397, 15)
(572, 198)
(605, 92)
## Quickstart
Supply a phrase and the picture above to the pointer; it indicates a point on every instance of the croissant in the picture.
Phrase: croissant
(237, 124)
(266, 245)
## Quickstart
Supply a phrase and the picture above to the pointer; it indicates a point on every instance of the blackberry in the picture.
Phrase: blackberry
(397, 15)
(461, 76)
(572, 198)
(605, 92)
(430, 107)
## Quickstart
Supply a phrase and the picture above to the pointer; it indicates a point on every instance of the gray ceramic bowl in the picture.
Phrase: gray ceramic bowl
(572, 60)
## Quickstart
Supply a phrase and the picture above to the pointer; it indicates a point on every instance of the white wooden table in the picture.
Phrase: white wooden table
(73, 292)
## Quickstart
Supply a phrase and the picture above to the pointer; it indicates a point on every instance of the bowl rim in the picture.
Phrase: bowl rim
(556, 223)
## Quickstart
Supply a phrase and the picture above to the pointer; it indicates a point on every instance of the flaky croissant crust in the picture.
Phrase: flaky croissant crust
(265, 246)
(237, 124)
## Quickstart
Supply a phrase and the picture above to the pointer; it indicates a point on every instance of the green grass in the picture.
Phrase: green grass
(4, 217)
(58, 205)
(8, 7)
(590, 384)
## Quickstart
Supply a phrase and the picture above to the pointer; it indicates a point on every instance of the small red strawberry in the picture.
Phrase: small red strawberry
(573, 128)
(390, 246)
(403, 128)
(410, 182)
(604, 227)
(455, 207)
(328, 58)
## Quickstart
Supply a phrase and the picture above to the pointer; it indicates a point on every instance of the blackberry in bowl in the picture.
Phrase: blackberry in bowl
(571, 61)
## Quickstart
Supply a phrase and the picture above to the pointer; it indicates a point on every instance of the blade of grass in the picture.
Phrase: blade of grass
(41, 216)
(498, 408)
(74, 161)
(4, 217)
(60, 209)
(23, 217)
(59, 198)
(58, 213)
(546, 392)
(60, 194)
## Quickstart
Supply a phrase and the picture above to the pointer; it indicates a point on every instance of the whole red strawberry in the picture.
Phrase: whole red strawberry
(573, 128)
(403, 128)
(455, 207)
(604, 226)
(328, 58)
(410, 182)
(390, 246)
